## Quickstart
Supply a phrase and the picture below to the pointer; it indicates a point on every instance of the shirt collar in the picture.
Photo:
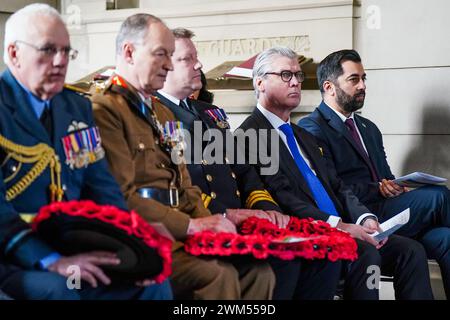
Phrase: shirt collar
(274, 120)
(36, 103)
(174, 100)
(341, 116)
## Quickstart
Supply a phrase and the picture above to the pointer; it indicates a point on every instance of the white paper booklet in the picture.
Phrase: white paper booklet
(392, 225)
(418, 179)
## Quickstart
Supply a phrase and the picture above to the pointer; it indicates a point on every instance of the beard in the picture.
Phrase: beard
(350, 103)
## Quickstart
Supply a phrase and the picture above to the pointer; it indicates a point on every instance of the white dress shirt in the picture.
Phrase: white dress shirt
(172, 98)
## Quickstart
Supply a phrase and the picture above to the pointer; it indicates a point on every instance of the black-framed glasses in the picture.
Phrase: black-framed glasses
(49, 51)
(287, 75)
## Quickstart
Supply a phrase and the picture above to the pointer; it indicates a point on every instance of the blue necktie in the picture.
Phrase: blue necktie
(320, 194)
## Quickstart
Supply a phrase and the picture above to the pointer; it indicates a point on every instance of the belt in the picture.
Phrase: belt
(168, 197)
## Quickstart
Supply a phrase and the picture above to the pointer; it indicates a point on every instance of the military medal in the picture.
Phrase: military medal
(82, 147)
(220, 117)
(173, 138)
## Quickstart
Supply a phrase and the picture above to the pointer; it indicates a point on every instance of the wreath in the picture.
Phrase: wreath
(302, 238)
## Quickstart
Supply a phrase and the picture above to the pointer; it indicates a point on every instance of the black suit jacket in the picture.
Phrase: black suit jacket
(232, 184)
(290, 189)
(350, 165)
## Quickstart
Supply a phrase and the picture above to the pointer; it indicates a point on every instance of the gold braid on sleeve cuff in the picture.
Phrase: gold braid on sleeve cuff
(258, 195)
(206, 200)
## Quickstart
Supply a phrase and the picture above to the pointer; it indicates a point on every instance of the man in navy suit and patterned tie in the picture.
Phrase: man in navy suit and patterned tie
(355, 146)
(307, 186)
(36, 116)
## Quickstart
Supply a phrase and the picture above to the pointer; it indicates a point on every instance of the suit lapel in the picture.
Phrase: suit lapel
(337, 124)
(286, 159)
(367, 142)
(60, 127)
(15, 99)
(310, 150)
(186, 117)
(200, 109)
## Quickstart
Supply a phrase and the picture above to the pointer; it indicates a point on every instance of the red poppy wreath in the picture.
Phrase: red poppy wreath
(82, 226)
(302, 238)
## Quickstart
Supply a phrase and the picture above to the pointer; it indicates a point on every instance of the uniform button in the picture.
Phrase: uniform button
(141, 146)
(238, 193)
(209, 177)
(204, 162)
(64, 187)
(13, 168)
(213, 195)
(233, 175)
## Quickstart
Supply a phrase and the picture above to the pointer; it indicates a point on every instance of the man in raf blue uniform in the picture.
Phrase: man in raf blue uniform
(43, 160)
(229, 188)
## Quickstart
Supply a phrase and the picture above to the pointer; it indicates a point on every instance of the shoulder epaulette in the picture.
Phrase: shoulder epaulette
(78, 88)
(258, 195)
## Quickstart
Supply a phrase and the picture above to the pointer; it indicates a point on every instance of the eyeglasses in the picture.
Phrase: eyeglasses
(286, 75)
(50, 51)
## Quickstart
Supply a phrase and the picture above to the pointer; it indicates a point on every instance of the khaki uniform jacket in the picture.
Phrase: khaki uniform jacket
(138, 160)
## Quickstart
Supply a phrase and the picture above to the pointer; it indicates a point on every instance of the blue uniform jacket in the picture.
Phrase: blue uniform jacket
(19, 124)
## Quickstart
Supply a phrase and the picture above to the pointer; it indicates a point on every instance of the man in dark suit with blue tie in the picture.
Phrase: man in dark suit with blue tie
(355, 145)
(36, 115)
(307, 186)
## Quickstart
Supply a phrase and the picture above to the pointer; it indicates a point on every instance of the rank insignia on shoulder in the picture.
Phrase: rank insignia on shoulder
(80, 88)
(82, 145)
(220, 117)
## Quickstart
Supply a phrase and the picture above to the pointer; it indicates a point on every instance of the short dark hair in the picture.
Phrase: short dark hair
(330, 68)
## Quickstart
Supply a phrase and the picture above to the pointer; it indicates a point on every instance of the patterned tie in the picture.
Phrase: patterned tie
(321, 196)
(352, 128)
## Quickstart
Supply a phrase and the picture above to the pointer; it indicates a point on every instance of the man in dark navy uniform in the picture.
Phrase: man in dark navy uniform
(232, 189)
(43, 160)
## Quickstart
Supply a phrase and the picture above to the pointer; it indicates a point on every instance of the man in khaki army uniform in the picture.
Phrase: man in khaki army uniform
(138, 149)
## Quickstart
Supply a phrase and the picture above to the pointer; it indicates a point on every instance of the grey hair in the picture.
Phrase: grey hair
(182, 33)
(264, 60)
(134, 29)
(16, 26)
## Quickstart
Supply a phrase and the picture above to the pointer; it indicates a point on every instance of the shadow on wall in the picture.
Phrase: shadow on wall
(431, 153)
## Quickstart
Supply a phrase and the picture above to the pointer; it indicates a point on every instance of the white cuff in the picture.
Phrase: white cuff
(333, 221)
(361, 217)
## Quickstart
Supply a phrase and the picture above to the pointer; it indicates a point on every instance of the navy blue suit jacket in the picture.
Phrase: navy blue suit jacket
(339, 147)
(288, 186)
(19, 124)
(227, 179)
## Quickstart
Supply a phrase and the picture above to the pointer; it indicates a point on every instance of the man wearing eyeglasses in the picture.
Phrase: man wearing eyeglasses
(37, 115)
(306, 186)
